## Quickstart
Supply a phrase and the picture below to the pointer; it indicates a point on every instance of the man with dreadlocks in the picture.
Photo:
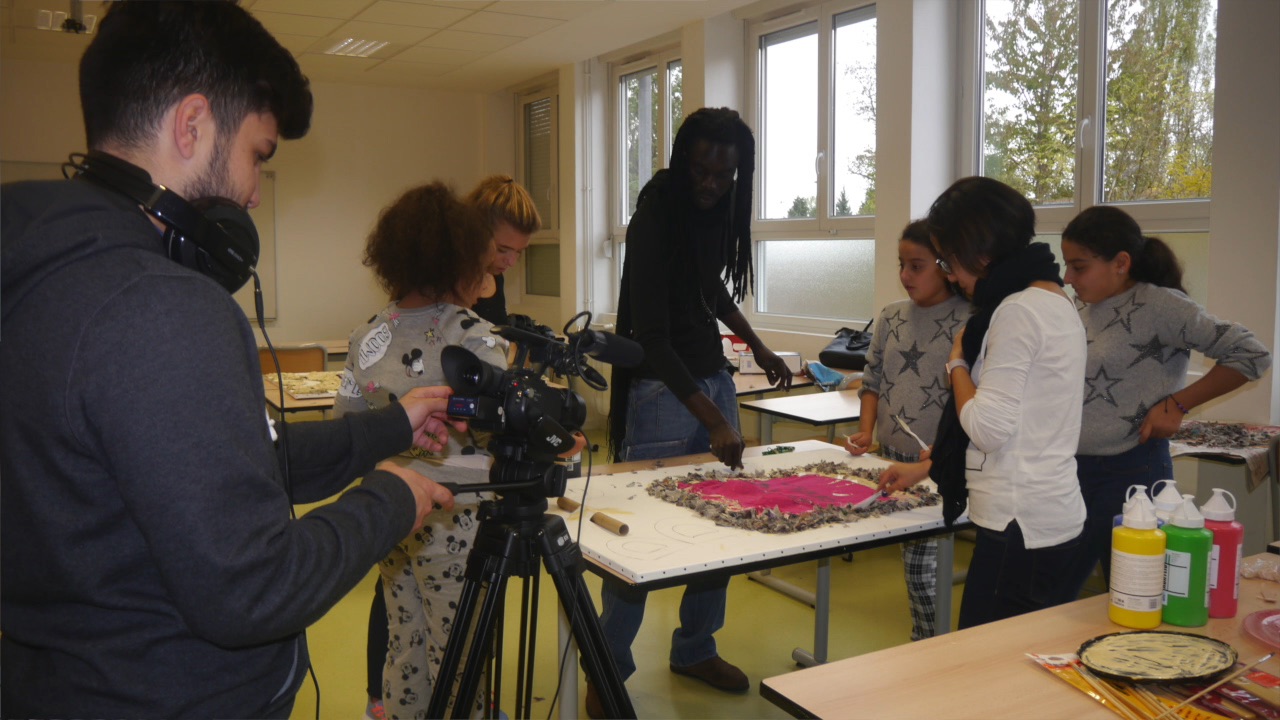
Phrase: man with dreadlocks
(689, 236)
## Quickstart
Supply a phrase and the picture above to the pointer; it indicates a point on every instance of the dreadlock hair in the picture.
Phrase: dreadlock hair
(1107, 231)
(723, 126)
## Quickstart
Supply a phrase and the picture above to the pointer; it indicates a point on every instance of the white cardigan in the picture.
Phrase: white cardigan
(1024, 421)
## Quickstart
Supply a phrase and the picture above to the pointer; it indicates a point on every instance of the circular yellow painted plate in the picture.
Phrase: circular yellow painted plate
(1156, 656)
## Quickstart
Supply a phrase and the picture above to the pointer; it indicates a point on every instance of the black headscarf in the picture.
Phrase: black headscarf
(1005, 277)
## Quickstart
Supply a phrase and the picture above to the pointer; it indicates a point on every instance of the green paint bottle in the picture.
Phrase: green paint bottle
(1188, 547)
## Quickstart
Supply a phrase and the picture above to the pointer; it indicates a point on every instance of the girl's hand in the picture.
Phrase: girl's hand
(858, 443)
(900, 476)
(1162, 421)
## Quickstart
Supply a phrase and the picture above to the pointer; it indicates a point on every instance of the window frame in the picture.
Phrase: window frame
(1155, 216)
(660, 59)
(824, 226)
(549, 233)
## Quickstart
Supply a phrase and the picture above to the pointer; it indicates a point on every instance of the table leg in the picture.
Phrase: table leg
(821, 620)
(568, 671)
(942, 583)
(766, 429)
(766, 578)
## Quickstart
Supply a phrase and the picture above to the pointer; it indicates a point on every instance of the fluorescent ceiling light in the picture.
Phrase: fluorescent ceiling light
(353, 47)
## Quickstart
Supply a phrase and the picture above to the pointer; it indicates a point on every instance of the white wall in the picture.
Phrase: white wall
(366, 145)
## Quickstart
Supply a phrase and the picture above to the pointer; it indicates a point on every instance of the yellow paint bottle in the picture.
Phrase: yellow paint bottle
(1137, 567)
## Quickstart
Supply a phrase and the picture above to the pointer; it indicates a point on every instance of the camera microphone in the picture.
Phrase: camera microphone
(608, 347)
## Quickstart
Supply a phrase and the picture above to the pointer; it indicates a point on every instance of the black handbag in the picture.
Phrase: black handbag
(848, 351)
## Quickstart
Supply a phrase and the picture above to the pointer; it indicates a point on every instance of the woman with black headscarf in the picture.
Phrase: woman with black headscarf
(1006, 442)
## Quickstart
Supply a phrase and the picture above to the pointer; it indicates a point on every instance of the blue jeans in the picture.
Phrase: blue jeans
(660, 426)
(1006, 579)
(1104, 480)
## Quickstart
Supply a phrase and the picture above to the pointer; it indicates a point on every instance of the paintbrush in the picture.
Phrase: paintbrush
(903, 424)
(1215, 686)
(1120, 707)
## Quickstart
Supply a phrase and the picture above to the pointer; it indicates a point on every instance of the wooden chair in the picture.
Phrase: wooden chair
(294, 358)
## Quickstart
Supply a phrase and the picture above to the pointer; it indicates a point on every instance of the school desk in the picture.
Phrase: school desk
(983, 672)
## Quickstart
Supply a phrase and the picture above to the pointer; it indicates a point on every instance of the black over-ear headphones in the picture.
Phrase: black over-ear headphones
(213, 236)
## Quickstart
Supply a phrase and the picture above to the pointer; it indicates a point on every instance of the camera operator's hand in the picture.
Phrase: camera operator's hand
(426, 407)
(427, 494)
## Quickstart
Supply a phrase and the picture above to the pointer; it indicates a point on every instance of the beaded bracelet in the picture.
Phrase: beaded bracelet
(1178, 404)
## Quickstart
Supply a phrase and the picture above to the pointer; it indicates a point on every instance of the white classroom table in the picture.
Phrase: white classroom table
(667, 545)
(819, 409)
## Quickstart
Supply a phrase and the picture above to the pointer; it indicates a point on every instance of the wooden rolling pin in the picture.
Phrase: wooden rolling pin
(567, 505)
(613, 525)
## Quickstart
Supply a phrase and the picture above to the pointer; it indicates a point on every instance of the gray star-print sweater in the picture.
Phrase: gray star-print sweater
(906, 367)
(1140, 343)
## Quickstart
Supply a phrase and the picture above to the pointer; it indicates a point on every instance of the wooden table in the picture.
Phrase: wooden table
(817, 409)
(983, 672)
(292, 404)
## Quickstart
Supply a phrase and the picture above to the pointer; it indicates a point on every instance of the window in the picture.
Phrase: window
(648, 107)
(1081, 103)
(539, 268)
(815, 99)
(539, 153)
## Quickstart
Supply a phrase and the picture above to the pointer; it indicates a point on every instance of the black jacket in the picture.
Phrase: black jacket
(150, 567)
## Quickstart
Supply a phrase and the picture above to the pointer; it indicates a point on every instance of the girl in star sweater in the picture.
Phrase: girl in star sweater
(906, 376)
(1141, 328)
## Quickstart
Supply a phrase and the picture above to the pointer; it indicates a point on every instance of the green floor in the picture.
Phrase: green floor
(868, 612)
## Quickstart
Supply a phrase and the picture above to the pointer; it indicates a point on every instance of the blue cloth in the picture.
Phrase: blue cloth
(1006, 579)
(825, 377)
(660, 426)
(1104, 481)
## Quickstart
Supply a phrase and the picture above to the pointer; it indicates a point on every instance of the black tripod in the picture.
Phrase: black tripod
(514, 532)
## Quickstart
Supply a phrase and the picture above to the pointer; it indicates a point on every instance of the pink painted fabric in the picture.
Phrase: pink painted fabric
(793, 495)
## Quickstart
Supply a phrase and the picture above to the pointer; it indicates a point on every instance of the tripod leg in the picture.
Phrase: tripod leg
(563, 560)
(486, 575)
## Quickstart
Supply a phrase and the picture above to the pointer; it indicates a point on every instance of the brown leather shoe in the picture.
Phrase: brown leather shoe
(717, 673)
(595, 708)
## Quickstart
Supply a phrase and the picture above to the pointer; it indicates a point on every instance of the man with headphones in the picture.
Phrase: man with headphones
(150, 564)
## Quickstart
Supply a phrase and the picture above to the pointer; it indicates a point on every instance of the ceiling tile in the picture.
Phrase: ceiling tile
(438, 56)
(296, 44)
(333, 67)
(402, 34)
(505, 24)
(283, 24)
(342, 9)
(458, 40)
(405, 13)
(392, 70)
(562, 9)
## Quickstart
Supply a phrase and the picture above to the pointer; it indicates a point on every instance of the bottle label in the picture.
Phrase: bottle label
(1177, 574)
(1137, 581)
(1213, 566)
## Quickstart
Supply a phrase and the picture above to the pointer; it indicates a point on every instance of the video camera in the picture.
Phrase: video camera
(533, 423)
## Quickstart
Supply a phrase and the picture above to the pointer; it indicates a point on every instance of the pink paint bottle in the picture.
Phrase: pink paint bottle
(1228, 546)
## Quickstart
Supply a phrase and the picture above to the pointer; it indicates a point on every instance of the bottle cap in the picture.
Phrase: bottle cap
(1218, 508)
(1139, 513)
(1168, 499)
(1129, 495)
(1186, 516)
